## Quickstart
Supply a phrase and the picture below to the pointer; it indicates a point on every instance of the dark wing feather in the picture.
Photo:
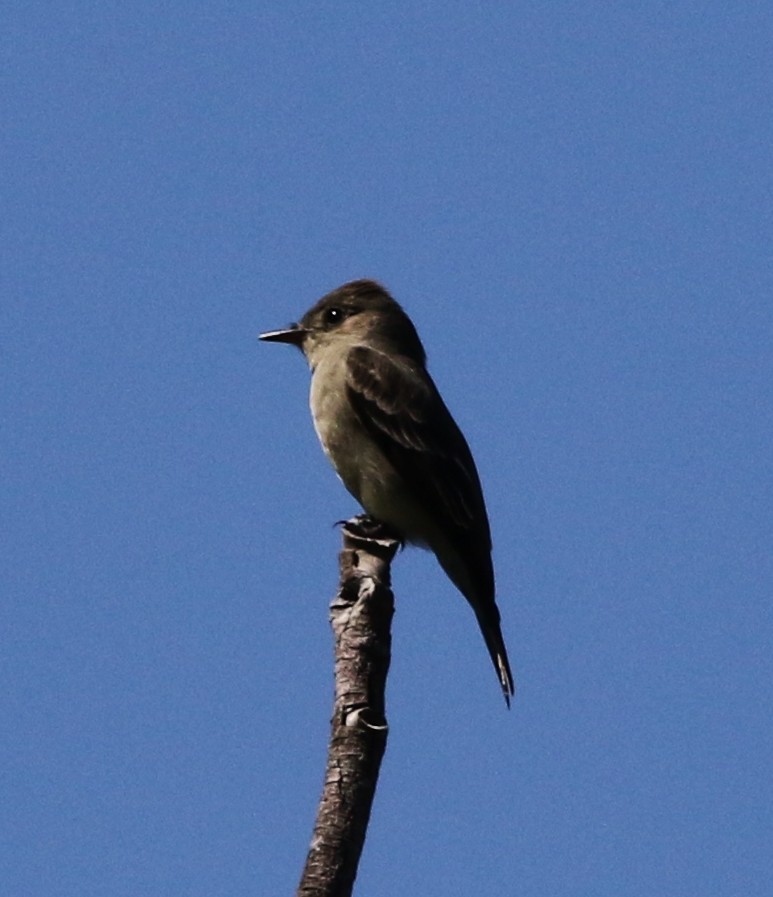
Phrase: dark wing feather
(400, 406)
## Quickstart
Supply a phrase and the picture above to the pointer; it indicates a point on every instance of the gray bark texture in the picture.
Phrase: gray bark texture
(361, 617)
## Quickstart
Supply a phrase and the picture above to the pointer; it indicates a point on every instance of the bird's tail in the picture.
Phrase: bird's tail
(492, 635)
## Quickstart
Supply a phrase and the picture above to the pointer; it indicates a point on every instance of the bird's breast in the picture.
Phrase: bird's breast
(356, 456)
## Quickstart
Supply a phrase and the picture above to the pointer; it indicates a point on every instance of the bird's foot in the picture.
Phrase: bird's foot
(367, 527)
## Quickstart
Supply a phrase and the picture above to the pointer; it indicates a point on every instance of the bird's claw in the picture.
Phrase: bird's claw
(367, 527)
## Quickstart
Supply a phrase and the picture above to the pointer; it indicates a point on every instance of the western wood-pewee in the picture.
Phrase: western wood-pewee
(393, 442)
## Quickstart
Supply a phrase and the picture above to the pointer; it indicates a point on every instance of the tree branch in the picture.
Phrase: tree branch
(361, 616)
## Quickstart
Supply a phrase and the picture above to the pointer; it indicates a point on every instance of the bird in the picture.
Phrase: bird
(392, 441)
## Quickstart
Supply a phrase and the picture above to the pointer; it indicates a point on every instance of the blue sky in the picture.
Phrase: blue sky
(573, 202)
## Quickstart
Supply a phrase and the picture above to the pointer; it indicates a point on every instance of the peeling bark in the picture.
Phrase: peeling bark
(361, 616)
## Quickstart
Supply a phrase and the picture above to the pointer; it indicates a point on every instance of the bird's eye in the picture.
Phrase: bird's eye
(334, 315)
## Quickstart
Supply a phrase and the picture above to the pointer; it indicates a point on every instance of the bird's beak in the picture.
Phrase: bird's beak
(294, 334)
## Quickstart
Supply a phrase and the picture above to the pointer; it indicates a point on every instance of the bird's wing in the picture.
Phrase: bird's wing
(401, 408)
(399, 405)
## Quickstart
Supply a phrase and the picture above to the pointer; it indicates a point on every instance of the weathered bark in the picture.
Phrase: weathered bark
(361, 616)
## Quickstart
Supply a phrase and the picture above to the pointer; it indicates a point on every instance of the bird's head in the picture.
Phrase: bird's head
(359, 312)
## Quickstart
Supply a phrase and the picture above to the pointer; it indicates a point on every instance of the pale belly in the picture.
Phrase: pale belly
(371, 478)
(357, 460)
